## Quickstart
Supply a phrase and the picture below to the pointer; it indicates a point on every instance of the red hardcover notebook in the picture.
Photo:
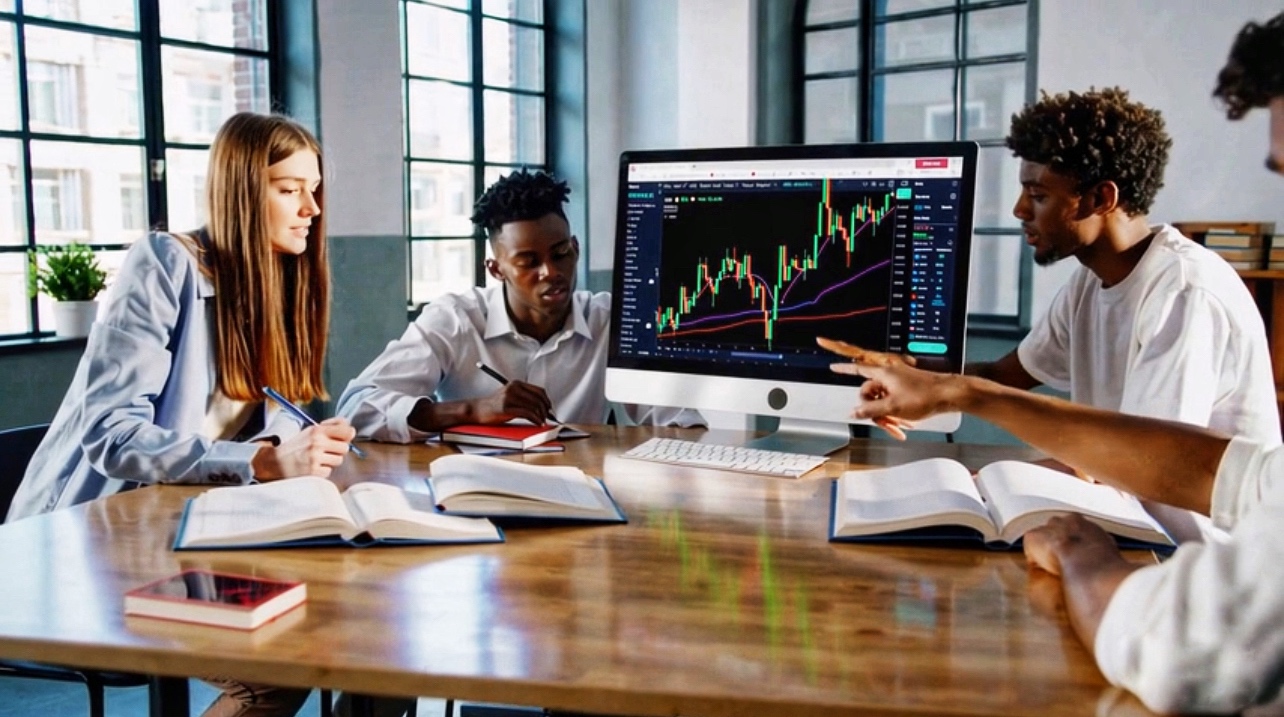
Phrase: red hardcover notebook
(507, 435)
(211, 598)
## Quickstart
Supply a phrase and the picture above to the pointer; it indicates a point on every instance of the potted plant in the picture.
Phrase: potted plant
(71, 277)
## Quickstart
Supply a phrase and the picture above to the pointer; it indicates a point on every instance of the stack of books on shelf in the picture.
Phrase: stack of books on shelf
(1246, 246)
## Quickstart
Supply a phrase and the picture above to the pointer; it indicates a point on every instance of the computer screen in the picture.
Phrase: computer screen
(730, 262)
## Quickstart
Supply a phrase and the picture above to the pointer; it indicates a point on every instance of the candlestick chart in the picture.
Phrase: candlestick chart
(771, 271)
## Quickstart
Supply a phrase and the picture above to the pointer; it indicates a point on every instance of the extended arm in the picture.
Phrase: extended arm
(1007, 371)
(1159, 460)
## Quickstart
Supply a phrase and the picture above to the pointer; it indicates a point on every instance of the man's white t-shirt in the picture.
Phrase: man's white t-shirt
(1180, 339)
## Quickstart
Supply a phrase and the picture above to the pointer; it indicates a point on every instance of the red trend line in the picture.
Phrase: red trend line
(858, 312)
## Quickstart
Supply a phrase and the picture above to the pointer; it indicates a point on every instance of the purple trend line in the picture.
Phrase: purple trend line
(818, 252)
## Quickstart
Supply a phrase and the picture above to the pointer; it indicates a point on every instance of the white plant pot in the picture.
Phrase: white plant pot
(74, 318)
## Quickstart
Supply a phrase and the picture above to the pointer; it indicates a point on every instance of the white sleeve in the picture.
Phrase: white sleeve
(1181, 345)
(379, 401)
(1044, 353)
(1248, 475)
(1201, 632)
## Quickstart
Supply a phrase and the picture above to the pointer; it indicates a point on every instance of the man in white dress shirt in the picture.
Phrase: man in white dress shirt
(1203, 631)
(534, 329)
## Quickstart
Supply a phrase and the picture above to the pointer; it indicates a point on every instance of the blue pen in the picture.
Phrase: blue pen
(299, 414)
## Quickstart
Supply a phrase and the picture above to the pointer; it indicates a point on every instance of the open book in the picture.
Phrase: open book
(937, 499)
(312, 511)
(477, 485)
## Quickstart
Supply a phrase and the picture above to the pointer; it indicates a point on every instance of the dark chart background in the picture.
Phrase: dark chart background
(827, 300)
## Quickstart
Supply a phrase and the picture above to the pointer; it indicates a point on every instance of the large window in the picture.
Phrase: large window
(919, 70)
(475, 108)
(107, 109)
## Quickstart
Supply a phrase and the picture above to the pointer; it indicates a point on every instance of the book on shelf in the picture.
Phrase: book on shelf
(939, 500)
(311, 511)
(513, 435)
(1234, 255)
(1218, 241)
(207, 597)
(464, 485)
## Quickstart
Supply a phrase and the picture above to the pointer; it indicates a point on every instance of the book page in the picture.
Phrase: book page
(453, 476)
(936, 491)
(287, 509)
(1023, 496)
(386, 511)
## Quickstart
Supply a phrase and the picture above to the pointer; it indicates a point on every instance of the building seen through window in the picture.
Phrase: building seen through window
(475, 106)
(80, 158)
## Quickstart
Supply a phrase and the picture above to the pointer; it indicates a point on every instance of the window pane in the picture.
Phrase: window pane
(204, 88)
(1001, 31)
(185, 181)
(69, 73)
(13, 194)
(819, 11)
(105, 13)
(8, 77)
(441, 200)
(437, 41)
(513, 56)
(915, 106)
(997, 187)
(528, 10)
(992, 93)
(895, 7)
(231, 23)
(440, 267)
(832, 50)
(458, 4)
(441, 120)
(76, 191)
(13, 294)
(6, 6)
(830, 110)
(902, 43)
(514, 128)
(996, 268)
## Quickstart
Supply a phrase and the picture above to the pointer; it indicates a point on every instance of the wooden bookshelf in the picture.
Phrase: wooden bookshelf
(1267, 288)
(1245, 245)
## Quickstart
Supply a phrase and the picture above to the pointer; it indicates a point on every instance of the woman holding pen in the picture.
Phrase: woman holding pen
(170, 387)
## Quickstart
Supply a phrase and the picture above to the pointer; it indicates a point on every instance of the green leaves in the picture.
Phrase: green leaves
(71, 273)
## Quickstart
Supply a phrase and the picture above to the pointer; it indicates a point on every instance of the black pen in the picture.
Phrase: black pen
(500, 377)
(299, 414)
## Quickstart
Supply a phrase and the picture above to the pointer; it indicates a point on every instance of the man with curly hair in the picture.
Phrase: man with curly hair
(534, 328)
(1199, 632)
(1150, 323)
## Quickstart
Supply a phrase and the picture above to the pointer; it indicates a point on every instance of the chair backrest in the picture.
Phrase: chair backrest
(16, 447)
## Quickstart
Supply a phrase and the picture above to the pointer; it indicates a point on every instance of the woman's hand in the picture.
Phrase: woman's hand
(314, 451)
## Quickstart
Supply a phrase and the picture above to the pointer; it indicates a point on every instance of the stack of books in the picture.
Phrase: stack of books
(1246, 246)
(1275, 258)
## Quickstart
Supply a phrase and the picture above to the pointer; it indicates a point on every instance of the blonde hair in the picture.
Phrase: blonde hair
(272, 310)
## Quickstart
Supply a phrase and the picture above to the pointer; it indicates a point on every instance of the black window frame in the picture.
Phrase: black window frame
(151, 139)
(867, 72)
(477, 90)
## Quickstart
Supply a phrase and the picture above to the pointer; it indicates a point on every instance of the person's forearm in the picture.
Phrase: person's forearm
(1089, 581)
(432, 416)
(1170, 462)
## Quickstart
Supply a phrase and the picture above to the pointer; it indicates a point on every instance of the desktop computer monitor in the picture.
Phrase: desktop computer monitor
(730, 262)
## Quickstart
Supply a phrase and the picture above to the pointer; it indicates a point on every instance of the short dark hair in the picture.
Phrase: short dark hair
(1254, 72)
(520, 196)
(1093, 137)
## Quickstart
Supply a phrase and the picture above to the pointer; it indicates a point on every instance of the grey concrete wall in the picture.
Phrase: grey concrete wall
(33, 382)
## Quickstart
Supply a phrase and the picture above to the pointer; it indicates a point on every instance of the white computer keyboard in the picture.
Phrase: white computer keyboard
(728, 458)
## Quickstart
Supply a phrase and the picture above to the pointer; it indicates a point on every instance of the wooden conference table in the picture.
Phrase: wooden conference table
(720, 597)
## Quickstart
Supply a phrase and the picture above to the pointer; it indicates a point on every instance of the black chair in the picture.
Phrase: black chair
(16, 447)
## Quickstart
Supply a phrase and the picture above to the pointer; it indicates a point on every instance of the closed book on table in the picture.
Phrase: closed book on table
(212, 598)
(939, 501)
(517, 436)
